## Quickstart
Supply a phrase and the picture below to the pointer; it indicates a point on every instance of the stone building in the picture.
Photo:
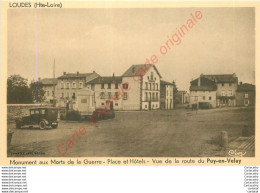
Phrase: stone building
(49, 86)
(166, 95)
(245, 94)
(203, 91)
(226, 88)
(108, 90)
(69, 84)
(182, 97)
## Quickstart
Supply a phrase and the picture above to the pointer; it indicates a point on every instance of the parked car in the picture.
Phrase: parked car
(39, 117)
(103, 114)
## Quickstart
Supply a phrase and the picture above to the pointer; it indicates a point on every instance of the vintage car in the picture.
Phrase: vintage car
(39, 117)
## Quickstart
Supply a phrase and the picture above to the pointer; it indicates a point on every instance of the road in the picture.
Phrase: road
(176, 133)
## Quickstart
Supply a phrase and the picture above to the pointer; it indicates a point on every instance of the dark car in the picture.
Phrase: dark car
(39, 117)
(103, 114)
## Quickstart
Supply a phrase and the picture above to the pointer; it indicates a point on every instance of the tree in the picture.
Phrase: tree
(175, 90)
(38, 93)
(18, 91)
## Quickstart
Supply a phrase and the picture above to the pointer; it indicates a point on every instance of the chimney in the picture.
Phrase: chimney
(39, 79)
(77, 73)
(113, 75)
(199, 81)
(240, 83)
(94, 71)
(64, 73)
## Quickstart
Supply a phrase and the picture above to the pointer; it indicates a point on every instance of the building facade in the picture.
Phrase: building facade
(166, 95)
(245, 95)
(182, 97)
(69, 84)
(226, 88)
(109, 90)
(49, 87)
(144, 92)
(203, 91)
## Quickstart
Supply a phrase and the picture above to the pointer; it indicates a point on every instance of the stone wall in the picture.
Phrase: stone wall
(15, 111)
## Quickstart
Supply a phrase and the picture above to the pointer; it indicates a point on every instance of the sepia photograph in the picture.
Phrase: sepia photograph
(131, 82)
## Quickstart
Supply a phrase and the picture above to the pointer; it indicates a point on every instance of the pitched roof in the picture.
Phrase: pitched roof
(76, 75)
(203, 88)
(165, 82)
(106, 79)
(203, 84)
(133, 70)
(221, 78)
(245, 87)
(49, 81)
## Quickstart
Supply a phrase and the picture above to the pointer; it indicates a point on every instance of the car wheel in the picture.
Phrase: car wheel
(55, 127)
(42, 125)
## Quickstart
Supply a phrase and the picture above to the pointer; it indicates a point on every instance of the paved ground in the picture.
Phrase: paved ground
(177, 133)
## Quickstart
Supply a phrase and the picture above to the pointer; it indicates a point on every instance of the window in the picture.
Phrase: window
(148, 77)
(80, 85)
(116, 86)
(52, 93)
(210, 98)
(153, 95)
(42, 111)
(146, 96)
(62, 95)
(204, 97)
(151, 75)
(157, 96)
(102, 95)
(150, 86)
(102, 86)
(92, 86)
(32, 112)
(68, 85)
(73, 95)
(116, 104)
(102, 103)
(68, 94)
(223, 93)
(146, 85)
(109, 94)
(230, 93)
(109, 85)
(117, 95)
(125, 96)
(74, 85)
(125, 86)
(246, 95)
(153, 86)
(157, 86)
(62, 85)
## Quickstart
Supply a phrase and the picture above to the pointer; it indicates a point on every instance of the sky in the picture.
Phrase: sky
(109, 41)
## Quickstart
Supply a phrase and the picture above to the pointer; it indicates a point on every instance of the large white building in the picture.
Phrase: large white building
(144, 94)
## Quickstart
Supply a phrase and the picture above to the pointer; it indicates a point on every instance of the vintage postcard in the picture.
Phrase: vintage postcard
(128, 83)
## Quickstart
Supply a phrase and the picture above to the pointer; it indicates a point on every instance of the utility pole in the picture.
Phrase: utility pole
(54, 102)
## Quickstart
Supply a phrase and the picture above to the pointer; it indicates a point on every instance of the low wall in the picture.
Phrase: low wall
(15, 111)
